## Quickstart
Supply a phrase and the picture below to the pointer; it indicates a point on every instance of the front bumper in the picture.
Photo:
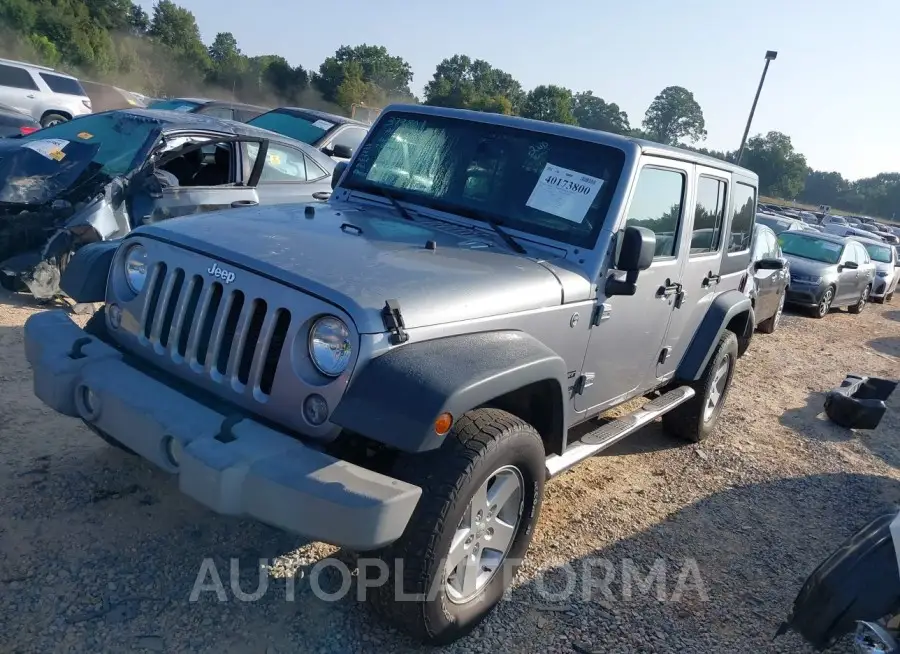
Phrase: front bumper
(248, 469)
(804, 294)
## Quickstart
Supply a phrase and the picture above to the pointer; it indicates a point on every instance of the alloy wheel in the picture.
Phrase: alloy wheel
(484, 535)
(716, 389)
(863, 299)
(825, 302)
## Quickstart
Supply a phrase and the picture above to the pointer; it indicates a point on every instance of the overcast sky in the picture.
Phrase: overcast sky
(833, 88)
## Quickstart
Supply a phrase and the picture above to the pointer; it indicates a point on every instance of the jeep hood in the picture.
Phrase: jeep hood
(360, 257)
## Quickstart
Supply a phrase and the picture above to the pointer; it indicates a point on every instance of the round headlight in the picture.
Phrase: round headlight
(136, 267)
(329, 345)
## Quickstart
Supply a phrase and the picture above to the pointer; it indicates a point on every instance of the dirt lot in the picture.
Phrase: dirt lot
(99, 552)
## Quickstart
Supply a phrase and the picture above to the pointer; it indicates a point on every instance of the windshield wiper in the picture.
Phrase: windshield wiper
(506, 236)
(390, 196)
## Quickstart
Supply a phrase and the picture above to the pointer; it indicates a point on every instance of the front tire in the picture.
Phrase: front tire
(861, 303)
(824, 305)
(481, 498)
(769, 325)
(696, 419)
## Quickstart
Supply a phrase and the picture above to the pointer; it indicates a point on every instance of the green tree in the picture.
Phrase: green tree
(176, 28)
(138, 21)
(782, 171)
(229, 65)
(673, 115)
(463, 83)
(377, 66)
(824, 188)
(595, 113)
(551, 103)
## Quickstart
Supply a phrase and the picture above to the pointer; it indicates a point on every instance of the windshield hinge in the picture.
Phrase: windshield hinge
(393, 322)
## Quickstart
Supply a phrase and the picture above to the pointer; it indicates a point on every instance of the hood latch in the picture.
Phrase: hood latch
(393, 322)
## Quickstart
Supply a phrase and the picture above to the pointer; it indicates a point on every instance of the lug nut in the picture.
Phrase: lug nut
(469, 540)
(479, 516)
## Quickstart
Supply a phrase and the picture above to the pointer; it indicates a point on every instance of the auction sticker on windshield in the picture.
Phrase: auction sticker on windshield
(50, 148)
(323, 124)
(564, 193)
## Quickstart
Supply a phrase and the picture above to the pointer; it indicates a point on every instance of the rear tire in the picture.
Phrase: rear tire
(696, 419)
(861, 303)
(48, 120)
(483, 448)
(771, 324)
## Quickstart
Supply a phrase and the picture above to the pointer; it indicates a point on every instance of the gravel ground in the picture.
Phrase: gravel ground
(99, 552)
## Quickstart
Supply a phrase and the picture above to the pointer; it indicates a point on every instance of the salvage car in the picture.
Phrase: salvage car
(827, 271)
(98, 177)
(16, 123)
(336, 136)
(398, 371)
(768, 278)
(224, 109)
(887, 269)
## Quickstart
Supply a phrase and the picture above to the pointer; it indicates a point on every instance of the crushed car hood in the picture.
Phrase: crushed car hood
(360, 257)
(35, 172)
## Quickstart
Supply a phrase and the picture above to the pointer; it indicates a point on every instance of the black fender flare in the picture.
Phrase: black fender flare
(84, 279)
(727, 308)
(396, 397)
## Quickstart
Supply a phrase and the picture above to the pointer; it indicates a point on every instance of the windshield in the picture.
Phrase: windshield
(39, 170)
(774, 224)
(174, 105)
(123, 138)
(806, 247)
(293, 124)
(532, 181)
(879, 253)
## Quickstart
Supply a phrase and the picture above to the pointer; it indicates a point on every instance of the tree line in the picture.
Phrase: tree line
(161, 53)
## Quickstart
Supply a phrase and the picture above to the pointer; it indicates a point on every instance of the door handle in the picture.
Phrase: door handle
(668, 289)
(237, 204)
(31, 97)
(322, 195)
(710, 279)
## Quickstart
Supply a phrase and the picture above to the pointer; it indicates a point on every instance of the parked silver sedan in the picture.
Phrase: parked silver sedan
(887, 269)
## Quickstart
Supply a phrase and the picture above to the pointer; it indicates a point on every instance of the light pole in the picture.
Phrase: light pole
(770, 55)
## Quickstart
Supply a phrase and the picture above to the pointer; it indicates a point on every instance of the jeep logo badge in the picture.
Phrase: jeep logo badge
(217, 271)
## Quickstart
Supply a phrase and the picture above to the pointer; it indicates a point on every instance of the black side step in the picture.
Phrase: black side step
(612, 432)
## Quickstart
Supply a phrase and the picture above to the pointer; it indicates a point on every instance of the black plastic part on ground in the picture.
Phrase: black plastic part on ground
(859, 402)
(860, 581)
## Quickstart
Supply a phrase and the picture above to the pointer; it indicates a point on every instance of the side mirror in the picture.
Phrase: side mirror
(636, 253)
(341, 151)
(336, 174)
(769, 264)
(850, 265)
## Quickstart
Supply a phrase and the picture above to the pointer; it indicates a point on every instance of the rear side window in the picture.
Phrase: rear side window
(744, 212)
(17, 78)
(218, 112)
(656, 205)
(709, 215)
(351, 137)
(65, 85)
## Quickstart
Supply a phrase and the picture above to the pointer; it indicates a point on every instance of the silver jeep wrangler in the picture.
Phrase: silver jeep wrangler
(398, 371)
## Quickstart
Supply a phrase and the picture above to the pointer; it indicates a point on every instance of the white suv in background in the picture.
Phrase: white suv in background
(48, 96)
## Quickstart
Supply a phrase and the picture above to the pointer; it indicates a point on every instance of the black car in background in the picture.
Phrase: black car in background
(15, 123)
(238, 111)
(333, 135)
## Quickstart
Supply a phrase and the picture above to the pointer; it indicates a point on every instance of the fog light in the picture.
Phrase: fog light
(173, 450)
(315, 409)
(114, 311)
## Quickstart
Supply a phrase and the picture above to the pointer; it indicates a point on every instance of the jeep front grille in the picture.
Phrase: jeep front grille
(217, 332)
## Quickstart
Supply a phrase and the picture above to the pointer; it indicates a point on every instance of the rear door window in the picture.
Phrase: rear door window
(283, 164)
(709, 214)
(64, 85)
(17, 78)
(744, 212)
(656, 205)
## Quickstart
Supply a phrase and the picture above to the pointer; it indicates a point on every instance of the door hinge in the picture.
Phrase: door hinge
(393, 322)
(587, 379)
(601, 313)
